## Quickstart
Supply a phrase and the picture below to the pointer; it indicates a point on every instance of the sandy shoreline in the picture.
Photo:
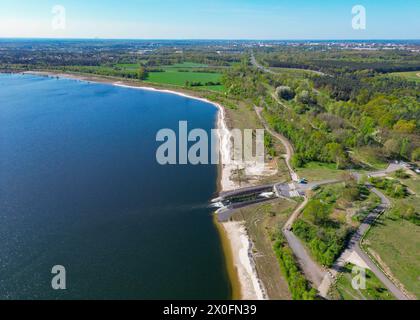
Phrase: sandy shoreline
(239, 258)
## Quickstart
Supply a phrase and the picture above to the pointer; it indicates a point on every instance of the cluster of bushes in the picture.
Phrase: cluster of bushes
(243, 82)
(268, 144)
(406, 212)
(310, 145)
(200, 84)
(339, 66)
(298, 285)
(155, 70)
(392, 187)
(326, 237)
(325, 244)
(401, 174)
(198, 70)
(285, 92)
(139, 74)
(398, 147)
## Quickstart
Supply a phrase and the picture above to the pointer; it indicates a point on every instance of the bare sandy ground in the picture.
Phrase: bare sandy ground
(251, 286)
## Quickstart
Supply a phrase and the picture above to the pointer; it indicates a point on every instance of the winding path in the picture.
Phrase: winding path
(312, 270)
(354, 247)
(255, 63)
(321, 278)
(287, 145)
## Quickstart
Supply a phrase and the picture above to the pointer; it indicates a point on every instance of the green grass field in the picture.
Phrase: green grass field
(176, 78)
(181, 73)
(413, 75)
(186, 65)
(369, 157)
(375, 290)
(397, 242)
(314, 171)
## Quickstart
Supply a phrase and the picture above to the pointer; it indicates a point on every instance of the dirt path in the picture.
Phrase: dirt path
(313, 272)
(287, 145)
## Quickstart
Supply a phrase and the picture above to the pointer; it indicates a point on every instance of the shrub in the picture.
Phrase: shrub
(298, 285)
(284, 92)
(325, 244)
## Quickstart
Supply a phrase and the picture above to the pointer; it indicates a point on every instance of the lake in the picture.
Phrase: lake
(80, 187)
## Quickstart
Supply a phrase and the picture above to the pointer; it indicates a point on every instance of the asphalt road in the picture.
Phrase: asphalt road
(354, 246)
(313, 272)
(321, 278)
(267, 70)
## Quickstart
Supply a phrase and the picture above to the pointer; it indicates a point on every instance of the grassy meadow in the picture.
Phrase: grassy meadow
(375, 290)
(395, 241)
(412, 75)
(180, 74)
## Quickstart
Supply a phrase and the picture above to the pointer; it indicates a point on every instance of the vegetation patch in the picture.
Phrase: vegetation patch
(344, 290)
(330, 217)
(298, 285)
(203, 80)
(262, 223)
(396, 241)
(412, 76)
(392, 187)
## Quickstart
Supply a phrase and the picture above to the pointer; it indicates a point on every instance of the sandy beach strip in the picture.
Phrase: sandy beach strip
(241, 265)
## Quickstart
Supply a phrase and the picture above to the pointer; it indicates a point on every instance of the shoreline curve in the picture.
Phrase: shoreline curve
(235, 241)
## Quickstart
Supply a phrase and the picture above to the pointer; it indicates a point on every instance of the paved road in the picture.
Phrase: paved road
(267, 70)
(258, 66)
(313, 272)
(312, 185)
(380, 275)
(354, 246)
(355, 242)
(321, 278)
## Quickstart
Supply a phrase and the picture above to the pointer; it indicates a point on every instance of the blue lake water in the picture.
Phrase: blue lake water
(80, 187)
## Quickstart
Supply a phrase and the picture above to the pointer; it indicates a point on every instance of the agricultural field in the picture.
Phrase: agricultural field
(316, 171)
(182, 74)
(174, 77)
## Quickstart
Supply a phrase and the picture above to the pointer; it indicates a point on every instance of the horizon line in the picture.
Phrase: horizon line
(208, 39)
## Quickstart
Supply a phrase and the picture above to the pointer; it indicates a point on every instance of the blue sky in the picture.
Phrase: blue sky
(211, 19)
